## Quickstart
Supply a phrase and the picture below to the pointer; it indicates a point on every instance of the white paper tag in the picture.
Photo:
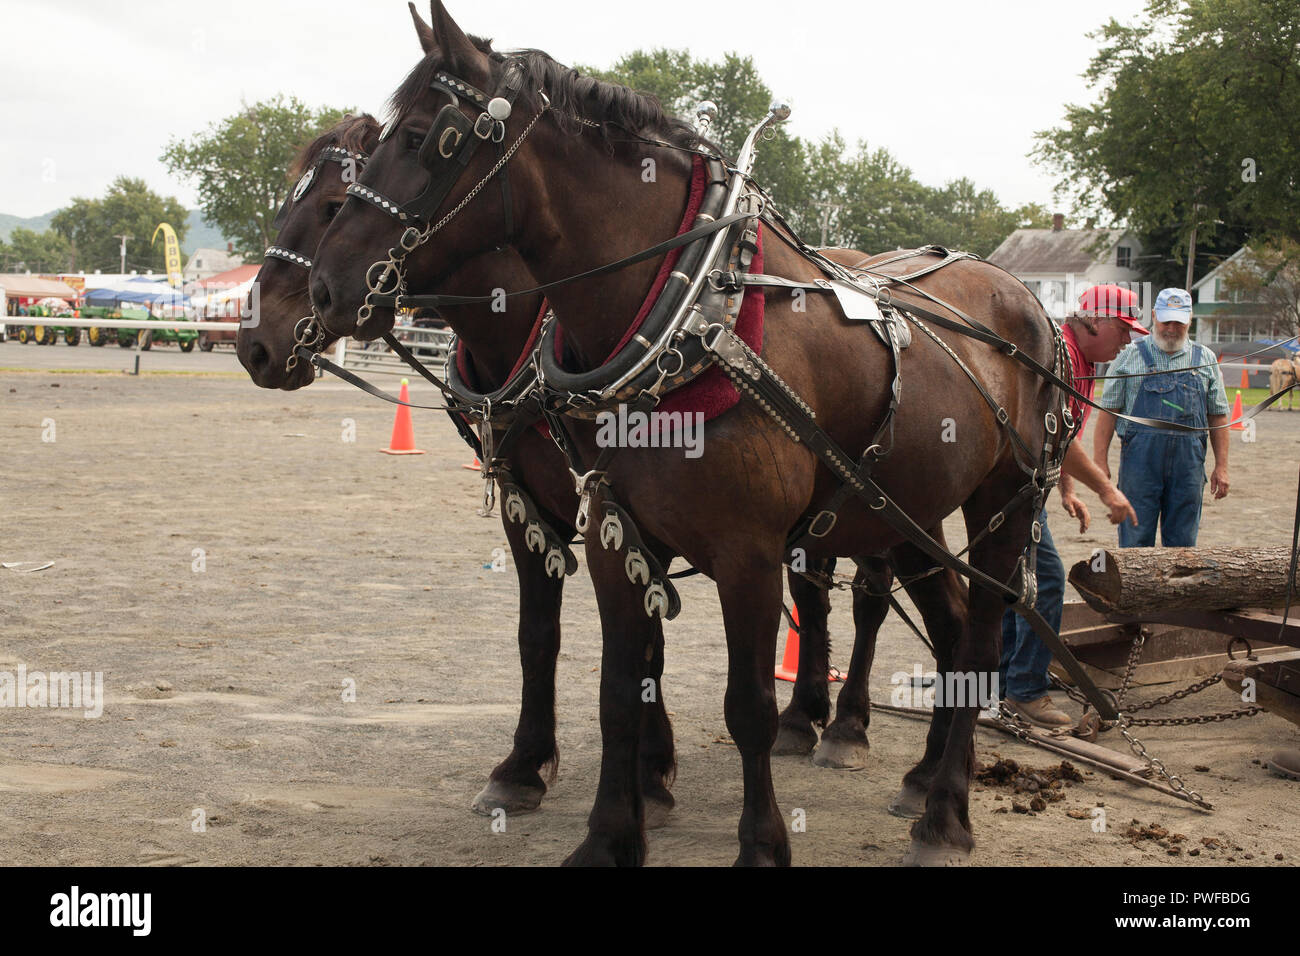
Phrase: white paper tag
(857, 305)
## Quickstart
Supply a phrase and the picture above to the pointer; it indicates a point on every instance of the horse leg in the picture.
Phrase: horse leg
(844, 745)
(615, 834)
(516, 785)
(810, 703)
(656, 755)
(750, 593)
(942, 836)
(942, 600)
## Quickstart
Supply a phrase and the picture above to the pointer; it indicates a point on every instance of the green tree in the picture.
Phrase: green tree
(35, 251)
(239, 167)
(130, 208)
(1196, 121)
(865, 200)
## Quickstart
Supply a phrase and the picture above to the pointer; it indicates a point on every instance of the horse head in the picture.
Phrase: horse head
(323, 171)
(454, 122)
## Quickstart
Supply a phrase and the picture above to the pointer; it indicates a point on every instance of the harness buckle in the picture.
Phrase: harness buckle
(1050, 421)
(817, 530)
(720, 281)
(410, 239)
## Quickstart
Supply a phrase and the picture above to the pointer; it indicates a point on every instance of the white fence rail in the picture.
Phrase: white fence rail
(54, 322)
(428, 345)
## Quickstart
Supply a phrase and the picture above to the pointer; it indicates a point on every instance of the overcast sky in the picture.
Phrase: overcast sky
(94, 89)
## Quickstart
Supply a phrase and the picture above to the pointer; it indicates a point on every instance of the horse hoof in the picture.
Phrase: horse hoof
(841, 754)
(512, 798)
(908, 803)
(656, 812)
(925, 854)
(792, 742)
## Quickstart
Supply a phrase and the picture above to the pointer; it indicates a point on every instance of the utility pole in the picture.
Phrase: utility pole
(1191, 248)
(122, 268)
(828, 209)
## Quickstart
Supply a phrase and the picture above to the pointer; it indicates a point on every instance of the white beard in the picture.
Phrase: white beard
(1174, 344)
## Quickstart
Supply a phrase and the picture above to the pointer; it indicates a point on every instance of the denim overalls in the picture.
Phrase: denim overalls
(1162, 473)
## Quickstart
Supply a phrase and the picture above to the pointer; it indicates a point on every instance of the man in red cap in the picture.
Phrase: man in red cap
(1095, 333)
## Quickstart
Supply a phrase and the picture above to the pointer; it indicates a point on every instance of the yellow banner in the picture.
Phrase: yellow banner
(172, 248)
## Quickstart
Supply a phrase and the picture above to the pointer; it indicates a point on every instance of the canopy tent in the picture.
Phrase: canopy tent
(224, 294)
(159, 296)
(33, 287)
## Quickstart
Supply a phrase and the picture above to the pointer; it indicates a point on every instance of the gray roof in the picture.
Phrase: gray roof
(1045, 250)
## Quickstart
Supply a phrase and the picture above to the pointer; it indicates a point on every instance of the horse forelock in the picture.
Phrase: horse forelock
(356, 134)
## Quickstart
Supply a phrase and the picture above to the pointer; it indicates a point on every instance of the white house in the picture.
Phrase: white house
(1223, 316)
(205, 263)
(1057, 264)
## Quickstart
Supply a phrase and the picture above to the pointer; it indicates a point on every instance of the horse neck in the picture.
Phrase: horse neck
(493, 340)
(596, 208)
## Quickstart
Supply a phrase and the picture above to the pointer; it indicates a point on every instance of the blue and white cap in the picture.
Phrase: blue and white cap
(1174, 305)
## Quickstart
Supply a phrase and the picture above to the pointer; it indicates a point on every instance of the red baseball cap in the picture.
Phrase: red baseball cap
(1112, 300)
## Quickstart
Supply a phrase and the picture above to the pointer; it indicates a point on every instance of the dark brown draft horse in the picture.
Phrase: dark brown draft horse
(493, 343)
(578, 197)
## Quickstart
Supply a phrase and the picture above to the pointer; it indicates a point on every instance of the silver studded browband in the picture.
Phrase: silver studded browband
(288, 255)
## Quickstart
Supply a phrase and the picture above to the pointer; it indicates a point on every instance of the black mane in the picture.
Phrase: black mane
(572, 94)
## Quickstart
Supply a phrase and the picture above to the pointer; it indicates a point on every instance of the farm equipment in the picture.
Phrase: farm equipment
(43, 334)
(138, 306)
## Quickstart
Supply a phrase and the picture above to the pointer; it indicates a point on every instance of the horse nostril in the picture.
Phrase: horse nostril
(258, 357)
(320, 294)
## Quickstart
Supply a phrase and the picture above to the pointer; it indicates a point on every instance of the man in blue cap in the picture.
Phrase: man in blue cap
(1163, 472)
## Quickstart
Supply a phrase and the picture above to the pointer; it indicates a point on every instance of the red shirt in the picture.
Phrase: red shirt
(1081, 368)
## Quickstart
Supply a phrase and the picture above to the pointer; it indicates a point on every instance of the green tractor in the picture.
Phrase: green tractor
(43, 334)
(135, 306)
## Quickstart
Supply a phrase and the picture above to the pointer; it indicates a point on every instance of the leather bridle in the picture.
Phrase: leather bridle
(308, 332)
(335, 154)
(445, 152)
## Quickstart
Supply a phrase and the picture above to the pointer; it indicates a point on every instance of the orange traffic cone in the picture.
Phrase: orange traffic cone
(1236, 425)
(477, 466)
(789, 668)
(403, 440)
(1245, 378)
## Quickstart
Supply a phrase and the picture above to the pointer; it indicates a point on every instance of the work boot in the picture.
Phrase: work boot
(1285, 763)
(1040, 713)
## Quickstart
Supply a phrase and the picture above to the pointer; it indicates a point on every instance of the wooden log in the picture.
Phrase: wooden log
(1136, 581)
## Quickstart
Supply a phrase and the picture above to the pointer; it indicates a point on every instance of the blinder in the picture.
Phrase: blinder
(451, 143)
(335, 154)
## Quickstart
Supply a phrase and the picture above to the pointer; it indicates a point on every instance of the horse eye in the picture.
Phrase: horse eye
(332, 209)
(414, 140)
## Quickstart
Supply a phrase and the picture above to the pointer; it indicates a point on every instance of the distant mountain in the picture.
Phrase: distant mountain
(200, 235)
(9, 223)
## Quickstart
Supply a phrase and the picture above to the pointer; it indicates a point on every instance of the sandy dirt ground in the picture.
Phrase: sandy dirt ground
(321, 564)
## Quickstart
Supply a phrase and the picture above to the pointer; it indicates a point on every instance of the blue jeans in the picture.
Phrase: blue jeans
(1024, 657)
(1163, 477)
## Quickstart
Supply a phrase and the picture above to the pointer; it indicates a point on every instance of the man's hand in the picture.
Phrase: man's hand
(1119, 507)
(1075, 508)
(1219, 481)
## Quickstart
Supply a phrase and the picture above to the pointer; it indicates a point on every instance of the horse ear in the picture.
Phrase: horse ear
(425, 32)
(456, 47)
